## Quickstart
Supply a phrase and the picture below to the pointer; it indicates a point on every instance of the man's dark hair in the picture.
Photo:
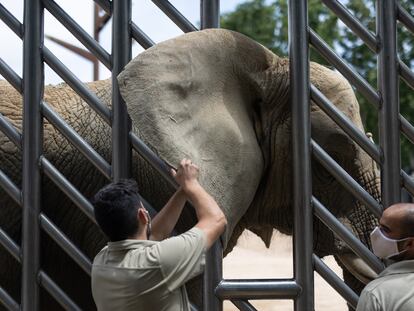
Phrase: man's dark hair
(116, 206)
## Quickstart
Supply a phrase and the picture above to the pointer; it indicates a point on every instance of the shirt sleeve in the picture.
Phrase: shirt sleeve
(182, 257)
(368, 302)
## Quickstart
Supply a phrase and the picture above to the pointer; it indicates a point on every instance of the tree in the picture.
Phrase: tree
(267, 23)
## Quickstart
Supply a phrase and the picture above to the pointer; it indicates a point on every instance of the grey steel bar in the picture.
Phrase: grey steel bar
(405, 17)
(10, 131)
(8, 301)
(79, 33)
(121, 124)
(63, 241)
(67, 188)
(336, 282)
(342, 232)
(360, 83)
(259, 289)
(106, 5)
(33, 78)
(353, 23)
(210, 13)
(406, 74)
(338, 116)
(56, 292)
(407, 129)
(141, 37)
(11, 21)
(345, 179)
(11, 76)
(175, 15)
(213, 274)
(388, 85)
(152, 159)
(10, 245)
(243, 305)
(302, 176)
(407, 182)
(77, 85)
(7, 184)
(75, 139)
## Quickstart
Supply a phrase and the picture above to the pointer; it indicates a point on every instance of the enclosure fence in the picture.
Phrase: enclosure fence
(300, 288)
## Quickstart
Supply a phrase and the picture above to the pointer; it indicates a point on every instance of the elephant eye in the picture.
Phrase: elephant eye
(320, 175)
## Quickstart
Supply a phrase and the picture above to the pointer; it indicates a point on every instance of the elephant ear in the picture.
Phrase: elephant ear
(185, 101)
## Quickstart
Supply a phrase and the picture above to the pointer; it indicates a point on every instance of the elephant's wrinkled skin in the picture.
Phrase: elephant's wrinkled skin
(222, 100)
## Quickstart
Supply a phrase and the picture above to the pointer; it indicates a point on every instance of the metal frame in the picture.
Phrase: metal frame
(301, 287)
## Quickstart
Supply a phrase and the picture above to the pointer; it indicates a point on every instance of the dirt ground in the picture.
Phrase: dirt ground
(251, 259)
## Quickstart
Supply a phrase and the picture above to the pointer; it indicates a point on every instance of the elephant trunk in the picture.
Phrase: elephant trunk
(361, 221)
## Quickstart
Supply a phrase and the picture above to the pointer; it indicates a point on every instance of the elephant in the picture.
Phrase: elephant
(221, 99)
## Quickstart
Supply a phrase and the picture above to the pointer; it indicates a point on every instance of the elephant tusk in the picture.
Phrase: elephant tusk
(357, 267)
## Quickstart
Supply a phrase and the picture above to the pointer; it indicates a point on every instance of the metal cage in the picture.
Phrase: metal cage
(216, 289)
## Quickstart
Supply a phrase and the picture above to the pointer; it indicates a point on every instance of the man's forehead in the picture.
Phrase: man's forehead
(393, 216)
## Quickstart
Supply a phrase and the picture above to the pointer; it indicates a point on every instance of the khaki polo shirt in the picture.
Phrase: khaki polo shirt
(393, 290)
(147, 275)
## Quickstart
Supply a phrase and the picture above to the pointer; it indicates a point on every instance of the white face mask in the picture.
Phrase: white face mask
(382, 246)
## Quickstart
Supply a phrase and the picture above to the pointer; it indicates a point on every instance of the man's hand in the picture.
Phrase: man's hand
(186, 174)
(211, 219)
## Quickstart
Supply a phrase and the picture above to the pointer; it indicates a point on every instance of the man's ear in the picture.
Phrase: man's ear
(142, 216)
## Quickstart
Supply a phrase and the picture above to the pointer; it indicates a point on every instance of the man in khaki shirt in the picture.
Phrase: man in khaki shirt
(141, 268)
(393, 241)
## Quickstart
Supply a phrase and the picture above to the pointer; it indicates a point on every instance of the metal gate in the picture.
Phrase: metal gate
(300, 288)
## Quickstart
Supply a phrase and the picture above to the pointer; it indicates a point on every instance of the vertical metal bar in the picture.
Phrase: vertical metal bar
(96, 31)
(33, 82)
(210, 13)
(121, 54)
(299, 94)
(213, 274)
(389, 108)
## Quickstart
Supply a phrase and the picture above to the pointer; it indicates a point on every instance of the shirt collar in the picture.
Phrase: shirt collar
(129, 244)
(405, 266)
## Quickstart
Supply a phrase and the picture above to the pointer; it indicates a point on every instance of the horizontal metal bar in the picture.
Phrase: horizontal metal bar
(75, 139)
(141, 37)
(11, 76)
(243, 305)
(11, 21)
(329, 276)
(175, 15)
(258, 289)
(11, 189)
(56, 292)
(67, 188)
(406, 73)
(152, 159)
(407, 128)
(64, 242)
(10, 131)
(405, 18)
(88, 41)
(77, 85)
(7, 301)
(342, 232)
(355, 78)
(345, 179)
(408, 182)
(7, 242)
(335, 114)
(106, 5)
(353, 23)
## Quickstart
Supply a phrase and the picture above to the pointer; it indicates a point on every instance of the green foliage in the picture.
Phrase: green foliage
(267, 23)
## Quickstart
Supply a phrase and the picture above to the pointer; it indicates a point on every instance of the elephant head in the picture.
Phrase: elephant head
(222, 99)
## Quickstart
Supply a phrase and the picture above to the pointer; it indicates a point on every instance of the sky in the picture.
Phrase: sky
(144, 13)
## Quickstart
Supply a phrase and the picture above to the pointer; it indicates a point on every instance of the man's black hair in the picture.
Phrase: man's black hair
(116, 206)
